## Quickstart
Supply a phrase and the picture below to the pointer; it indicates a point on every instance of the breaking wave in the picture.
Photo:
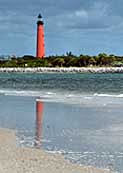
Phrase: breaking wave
(59, 94)
(80, 99)
(108, 95)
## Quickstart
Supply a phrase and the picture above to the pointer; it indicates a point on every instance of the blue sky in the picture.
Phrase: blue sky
(81, 26)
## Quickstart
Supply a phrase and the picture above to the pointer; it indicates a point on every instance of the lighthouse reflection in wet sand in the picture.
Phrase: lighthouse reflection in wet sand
(39, 119)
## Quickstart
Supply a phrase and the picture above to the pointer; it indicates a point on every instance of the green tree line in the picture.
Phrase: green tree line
(68, 60)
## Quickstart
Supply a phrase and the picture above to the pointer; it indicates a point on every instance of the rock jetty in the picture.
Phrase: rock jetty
(64, 70)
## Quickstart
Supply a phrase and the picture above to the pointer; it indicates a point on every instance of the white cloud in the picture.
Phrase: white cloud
(96, 17)
(81, 13)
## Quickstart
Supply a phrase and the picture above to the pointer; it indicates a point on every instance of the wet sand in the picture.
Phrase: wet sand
(14, 159)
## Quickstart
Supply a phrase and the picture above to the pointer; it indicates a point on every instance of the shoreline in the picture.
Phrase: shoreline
(63, 70)
(15, 159)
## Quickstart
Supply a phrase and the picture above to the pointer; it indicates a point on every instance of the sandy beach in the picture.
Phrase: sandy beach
(28, 160)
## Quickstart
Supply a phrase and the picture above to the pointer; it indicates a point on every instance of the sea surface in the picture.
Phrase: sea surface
(80, 115)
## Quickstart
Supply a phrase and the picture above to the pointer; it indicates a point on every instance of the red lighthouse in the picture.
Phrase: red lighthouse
(40, 51)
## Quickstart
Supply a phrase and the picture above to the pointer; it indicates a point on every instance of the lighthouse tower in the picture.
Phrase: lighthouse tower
(40, 51)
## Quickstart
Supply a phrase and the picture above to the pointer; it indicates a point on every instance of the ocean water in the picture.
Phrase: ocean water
(81, 115)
